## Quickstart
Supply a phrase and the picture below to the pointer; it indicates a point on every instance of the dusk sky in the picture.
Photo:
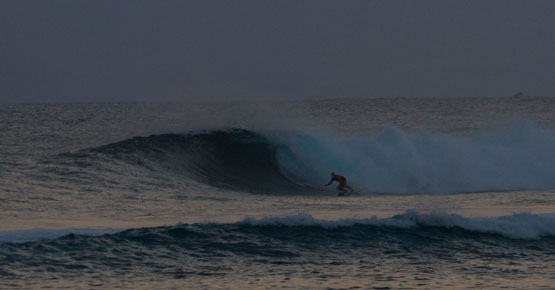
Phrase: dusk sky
(84, 51)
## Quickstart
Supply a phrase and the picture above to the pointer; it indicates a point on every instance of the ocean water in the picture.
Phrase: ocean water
(453, 193)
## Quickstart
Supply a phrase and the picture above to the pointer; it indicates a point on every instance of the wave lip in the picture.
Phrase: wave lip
(517, 226)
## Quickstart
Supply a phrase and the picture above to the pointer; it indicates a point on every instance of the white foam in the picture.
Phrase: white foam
(517, 226)
(517, 158)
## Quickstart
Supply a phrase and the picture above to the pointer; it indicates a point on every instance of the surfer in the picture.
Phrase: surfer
(342, 182)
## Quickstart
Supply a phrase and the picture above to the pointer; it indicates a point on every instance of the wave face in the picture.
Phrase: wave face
(233, 159)
(392, 161)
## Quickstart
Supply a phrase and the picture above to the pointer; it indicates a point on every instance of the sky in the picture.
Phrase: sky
(142, 50)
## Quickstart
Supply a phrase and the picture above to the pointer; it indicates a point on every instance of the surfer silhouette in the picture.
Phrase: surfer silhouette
(342, 182)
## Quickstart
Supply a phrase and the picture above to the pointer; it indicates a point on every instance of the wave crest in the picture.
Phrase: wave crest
(516, 226)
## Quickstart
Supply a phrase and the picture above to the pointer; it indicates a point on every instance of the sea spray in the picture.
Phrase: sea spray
(395, 161)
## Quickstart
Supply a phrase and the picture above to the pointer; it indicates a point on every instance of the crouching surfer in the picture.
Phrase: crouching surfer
(342, 183)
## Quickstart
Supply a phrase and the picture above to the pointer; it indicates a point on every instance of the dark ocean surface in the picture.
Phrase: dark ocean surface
(452, 193)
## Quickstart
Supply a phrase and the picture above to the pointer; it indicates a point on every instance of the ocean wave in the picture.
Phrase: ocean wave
(516, 226)
(392, 161)
(233, 159)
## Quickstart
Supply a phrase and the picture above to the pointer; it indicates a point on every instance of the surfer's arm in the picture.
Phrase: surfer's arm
(329, 182)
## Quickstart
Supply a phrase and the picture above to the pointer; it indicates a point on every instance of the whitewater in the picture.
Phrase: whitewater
(454, 193)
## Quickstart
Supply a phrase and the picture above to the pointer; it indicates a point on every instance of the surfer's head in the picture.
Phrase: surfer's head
(332, 173)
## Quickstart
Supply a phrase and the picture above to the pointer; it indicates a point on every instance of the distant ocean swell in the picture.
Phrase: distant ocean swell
(392, 161)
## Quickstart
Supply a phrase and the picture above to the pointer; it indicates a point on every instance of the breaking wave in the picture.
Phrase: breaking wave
(521, 226)
(392, 161)
(517, 226)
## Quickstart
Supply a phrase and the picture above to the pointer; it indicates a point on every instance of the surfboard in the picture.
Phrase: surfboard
(354, 192)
